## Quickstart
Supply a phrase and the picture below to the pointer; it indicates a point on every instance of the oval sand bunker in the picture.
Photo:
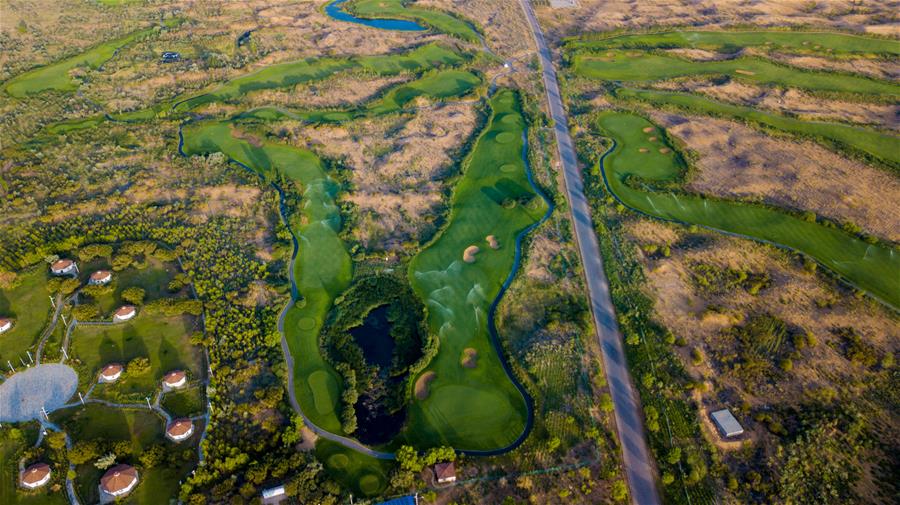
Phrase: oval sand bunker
(48, 386)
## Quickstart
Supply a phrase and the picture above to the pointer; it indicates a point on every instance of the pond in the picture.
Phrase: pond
(335, 11)
(374, 338)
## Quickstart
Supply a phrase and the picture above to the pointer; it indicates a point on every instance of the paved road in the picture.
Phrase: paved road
(629, 421)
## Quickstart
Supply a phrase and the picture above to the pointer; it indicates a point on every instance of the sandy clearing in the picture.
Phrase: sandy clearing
(421, 388)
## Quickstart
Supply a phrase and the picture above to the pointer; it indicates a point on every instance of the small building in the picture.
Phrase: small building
(100, 277)
(727, 424)
(273, 492)
(124, 313)
(175, 379)
(35, 476)
(111, 372)
(119, 480)
(445, 473)
(6, 324)
(180, 429)
(170, 57)
(63, 267)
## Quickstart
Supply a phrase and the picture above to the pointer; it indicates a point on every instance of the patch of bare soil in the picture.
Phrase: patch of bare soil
(421, 388)
(397, 168)
(228, 199)
(604, 15)
(737, 161)
(792, 101)
(469, 358)
(543, 250)
(880, 69)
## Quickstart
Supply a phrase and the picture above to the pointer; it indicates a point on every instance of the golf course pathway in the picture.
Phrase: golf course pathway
(639, 467)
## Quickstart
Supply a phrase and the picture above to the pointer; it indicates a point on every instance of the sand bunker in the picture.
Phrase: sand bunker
(644, 150)
(469, 358)
(744, 72)
(492, 241)
(652, 139)
(665, 150)
(469, 253)
(422, 385)
(647, 129)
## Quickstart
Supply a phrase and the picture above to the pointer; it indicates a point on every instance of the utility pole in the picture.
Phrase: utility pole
(44, 411)
(52, 302)
(29, 357)
(10, 366)
(63, 349)
(23, 362)
(148, 403)
(81, 397)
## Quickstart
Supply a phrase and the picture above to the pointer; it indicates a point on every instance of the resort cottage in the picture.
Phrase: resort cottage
(63, 267)
(180, 429)
(445, 473)
(5, 324)
(100, 277)
(175, 379)
(35, 476)
(111, 372)
(124, 313)
(119, 480)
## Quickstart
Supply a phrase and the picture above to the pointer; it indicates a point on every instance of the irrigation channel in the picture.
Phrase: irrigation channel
(337, 12)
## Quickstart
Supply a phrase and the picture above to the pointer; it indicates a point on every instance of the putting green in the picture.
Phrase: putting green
(322, 269)
(362, 474)
(474, 408)
(632, 66)
(369, 484)
(823, 43)
(439, 20)
(338, 461)
(874, 268)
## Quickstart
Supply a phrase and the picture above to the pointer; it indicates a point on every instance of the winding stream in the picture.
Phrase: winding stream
(335, 11)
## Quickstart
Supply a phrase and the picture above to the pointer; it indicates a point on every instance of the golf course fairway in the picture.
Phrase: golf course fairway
(826, 43)
(437, 85)
(635, 161)
(322, 266)
(882, 146)
(474, 408)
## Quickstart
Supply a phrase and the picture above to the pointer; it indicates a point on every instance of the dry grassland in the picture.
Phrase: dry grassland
(873, 16)
(737, 161)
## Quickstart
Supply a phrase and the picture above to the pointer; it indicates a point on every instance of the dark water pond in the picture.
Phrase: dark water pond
(335, 11)
(374, 338)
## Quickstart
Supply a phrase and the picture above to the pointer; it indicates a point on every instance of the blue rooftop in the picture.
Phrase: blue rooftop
(403, 500)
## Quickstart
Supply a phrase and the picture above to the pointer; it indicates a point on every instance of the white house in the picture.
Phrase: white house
(179, 430)
(35, 475)
(63, 267)
(727, 424)
(273, 492)
(124, 313)
(175, 379)
(119, 480)
(6, 324)
(100, 277)
(111, 372)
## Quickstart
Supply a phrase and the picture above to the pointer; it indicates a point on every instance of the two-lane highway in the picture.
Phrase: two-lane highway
(639, 468)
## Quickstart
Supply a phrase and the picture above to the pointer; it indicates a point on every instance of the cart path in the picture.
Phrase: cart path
(639, 467)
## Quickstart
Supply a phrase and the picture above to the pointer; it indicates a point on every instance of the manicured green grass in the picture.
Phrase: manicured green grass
(296, 72)
(440, 21)
(165, 341)
(55, 76)
(882, 146)
(11, 449)
(439, 85)
(141, 429)
(29, 305)
(805, 42)
(184, 403)
(647, 67)
(363, 474)
(474, 408)
(873, 268)
(322, 269)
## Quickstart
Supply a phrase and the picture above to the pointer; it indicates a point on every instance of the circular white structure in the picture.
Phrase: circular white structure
(24, 393)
